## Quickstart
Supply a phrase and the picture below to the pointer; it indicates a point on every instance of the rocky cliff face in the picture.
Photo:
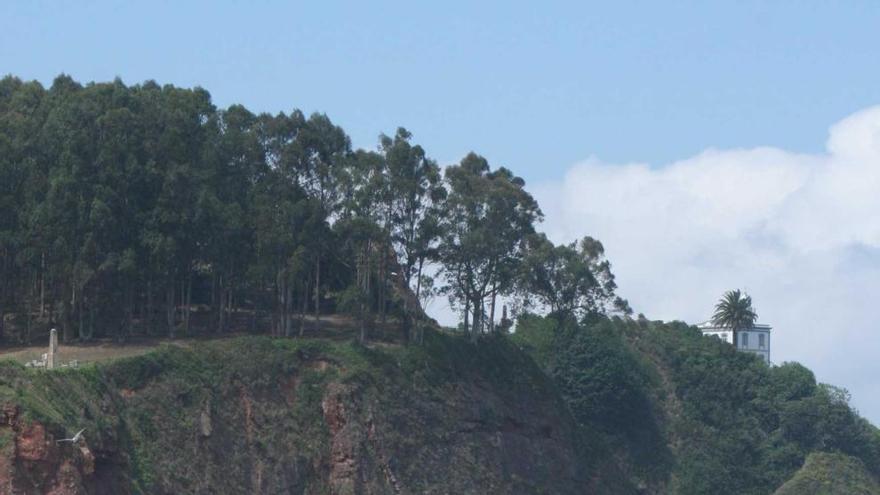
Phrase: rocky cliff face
(31, 461)
(280, 416)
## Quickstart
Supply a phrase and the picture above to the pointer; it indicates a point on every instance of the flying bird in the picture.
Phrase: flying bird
(76, 438)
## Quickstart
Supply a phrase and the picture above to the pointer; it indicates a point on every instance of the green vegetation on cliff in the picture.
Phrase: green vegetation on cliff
(831, 474)
(612, 406)
(264, 415)
(689, 414)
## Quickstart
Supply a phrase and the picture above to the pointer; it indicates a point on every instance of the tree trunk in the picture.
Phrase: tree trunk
(129, 312)
(303, 308)
(383, 280)
(221, 300)
(288, 313)
(65, 319)
(227, 308)
(418, 328)
(27, 335)
(361, 282)
(170, 309)
(492, 310)
(253, 327)
(318, 293)
(148, 318)
(91, 325)
(478, 319)
(282, 326)
(213, 298)
(279, 327)
(467, 313)
(77, 303)
(188, 303)
(419, 284)
(42, 284)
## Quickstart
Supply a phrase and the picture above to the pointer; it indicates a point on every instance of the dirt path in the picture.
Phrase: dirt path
(333, 327)
(88, 353)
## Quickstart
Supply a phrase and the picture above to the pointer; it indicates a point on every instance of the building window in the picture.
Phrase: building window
(761, 341)
(745, 340)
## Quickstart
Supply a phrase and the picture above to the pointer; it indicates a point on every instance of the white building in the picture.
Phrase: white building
(755, 340)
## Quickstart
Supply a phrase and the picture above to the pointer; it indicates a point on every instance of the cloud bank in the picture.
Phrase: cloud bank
(799, 232)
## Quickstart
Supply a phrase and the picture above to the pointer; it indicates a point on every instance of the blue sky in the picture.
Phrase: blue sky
(709, 145)
(535, 86)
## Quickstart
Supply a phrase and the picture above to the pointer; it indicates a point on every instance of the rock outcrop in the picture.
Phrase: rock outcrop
(31, 461)
(273, 416)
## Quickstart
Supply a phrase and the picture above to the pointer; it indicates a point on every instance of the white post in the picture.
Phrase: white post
(53, 348)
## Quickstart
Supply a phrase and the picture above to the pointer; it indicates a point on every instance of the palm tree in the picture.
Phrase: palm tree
(735, 311)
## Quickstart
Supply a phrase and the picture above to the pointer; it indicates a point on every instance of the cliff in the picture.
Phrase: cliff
(257, 415)
(606, 406)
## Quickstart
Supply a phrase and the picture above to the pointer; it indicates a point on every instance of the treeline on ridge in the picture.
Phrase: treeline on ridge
(146, 210)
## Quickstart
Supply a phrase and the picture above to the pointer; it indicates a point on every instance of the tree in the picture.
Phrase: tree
(126, 208)
(570, 280)
(416, 195)
(235, 167)
(22, 110)
(735, 311)
(487, 218)
(283, 217)
(321, 149)
(363, 188)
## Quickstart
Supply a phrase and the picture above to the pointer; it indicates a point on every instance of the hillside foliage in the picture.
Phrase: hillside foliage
(831, 474)
(689, 412)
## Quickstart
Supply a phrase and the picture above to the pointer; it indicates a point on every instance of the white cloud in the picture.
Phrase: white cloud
(801, 233)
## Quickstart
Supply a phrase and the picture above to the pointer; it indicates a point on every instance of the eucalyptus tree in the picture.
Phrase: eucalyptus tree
(235, 163)
(118, 201)
(321, 149)
(115, 219)
(362, 182)
(178, 167)
(409, 192)
(488, 216)
(15, 128)
(570, 280)
(281, 215)
(734, 310)
(417, 197)
(62, 216)
(358, 238)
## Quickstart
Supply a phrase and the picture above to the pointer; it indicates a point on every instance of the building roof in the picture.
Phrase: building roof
(708, 325)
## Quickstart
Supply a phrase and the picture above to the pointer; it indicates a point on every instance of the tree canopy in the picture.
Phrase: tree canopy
(735, 311)
(145, 209)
